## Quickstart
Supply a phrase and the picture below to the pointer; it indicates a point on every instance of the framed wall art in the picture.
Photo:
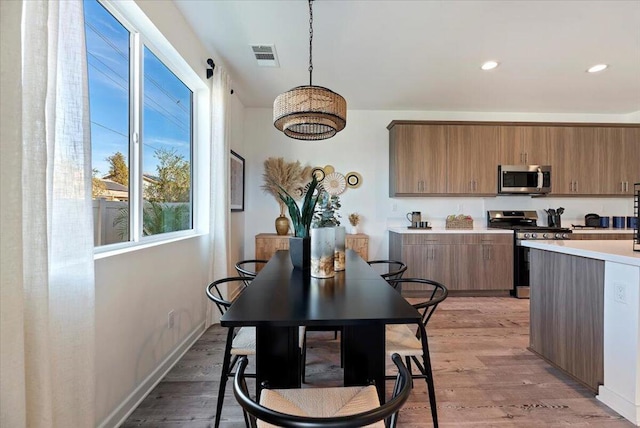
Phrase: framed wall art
(236, 173)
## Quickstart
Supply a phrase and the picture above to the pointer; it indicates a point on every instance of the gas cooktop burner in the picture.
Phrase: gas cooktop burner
(525, 224)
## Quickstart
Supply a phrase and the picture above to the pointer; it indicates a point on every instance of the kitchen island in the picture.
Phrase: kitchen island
(585, 316)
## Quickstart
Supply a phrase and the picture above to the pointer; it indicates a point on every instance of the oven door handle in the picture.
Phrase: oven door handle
(540, 179)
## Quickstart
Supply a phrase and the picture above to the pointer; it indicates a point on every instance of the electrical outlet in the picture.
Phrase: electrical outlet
(620, 292)
(171, 319)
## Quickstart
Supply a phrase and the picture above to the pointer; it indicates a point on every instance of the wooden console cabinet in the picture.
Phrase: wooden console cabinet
(463, 262)
(268, 243)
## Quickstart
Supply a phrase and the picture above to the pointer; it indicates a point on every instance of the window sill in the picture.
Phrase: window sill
(101, 253)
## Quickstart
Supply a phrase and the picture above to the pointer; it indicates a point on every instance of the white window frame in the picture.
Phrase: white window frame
(145, 33)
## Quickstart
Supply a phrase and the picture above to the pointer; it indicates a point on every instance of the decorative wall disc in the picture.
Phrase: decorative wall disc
(334, 183)
(328, 169)
(354, 180)
(318, 172)
(319, 189)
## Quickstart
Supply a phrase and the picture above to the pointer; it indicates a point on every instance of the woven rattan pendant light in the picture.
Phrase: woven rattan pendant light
(310, 112)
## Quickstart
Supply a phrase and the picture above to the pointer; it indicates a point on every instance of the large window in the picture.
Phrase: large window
(141, 134)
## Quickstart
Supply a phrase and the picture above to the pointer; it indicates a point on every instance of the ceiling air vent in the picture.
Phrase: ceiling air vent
(265, 55)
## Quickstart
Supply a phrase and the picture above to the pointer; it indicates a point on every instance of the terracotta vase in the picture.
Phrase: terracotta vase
(282, 225)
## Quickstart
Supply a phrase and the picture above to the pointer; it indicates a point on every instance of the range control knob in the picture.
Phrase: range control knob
(565, 236)
(526, 236)
(545, 235)
(558, 236)
(534, 236)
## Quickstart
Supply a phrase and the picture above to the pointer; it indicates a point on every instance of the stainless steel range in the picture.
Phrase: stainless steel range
(525, 227)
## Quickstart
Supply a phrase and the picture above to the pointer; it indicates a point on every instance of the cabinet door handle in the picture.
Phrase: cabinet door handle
(526, 158)
(521, 157)
(475, 185)
(626, 186)
(576, 187)
(622, 186)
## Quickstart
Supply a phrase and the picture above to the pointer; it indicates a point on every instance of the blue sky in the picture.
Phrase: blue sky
(167, 101)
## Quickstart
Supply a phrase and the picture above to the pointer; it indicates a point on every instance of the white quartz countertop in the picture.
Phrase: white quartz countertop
(406, 230)
(612, 251)
(602, 231)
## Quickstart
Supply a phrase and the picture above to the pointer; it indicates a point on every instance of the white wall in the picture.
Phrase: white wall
(136, 289)
(363, 146)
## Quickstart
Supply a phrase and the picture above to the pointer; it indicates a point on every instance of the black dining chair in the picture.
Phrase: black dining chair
(349, 407)
(250, 268)
(239, 343)
(389, 269)
(413, 343)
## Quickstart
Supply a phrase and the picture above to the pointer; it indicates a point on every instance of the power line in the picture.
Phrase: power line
(126, 89)
(126, 80)
(153, 81)
(107, 41)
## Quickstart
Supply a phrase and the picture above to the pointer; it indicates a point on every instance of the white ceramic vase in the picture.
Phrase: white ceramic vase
(322, 252)
(339, 257)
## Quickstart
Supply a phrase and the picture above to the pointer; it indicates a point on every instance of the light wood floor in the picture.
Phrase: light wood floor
(484, 377)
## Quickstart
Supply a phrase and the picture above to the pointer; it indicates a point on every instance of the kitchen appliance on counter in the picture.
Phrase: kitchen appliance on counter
(415, 217)
(525, 227)
(592, 220)
(524, 179)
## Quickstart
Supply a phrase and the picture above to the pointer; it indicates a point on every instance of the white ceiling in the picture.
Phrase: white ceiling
(426, 55)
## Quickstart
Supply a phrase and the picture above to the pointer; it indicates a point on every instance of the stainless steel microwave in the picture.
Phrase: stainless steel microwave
(524, 179)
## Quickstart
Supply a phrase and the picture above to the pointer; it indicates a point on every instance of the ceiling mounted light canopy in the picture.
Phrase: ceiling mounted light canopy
(489, 65)
(596, 68)
(310, 112)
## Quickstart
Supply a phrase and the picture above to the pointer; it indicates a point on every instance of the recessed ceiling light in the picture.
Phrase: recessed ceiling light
(596, 68)
(489, 65)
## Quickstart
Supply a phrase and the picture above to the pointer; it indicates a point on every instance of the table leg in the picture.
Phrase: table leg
(364, 356)
(277, 357)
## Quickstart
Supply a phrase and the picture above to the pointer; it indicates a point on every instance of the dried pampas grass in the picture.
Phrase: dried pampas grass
(291, 176)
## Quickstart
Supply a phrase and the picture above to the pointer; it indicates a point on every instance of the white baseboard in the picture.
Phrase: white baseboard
(122, 412)
(624, 407)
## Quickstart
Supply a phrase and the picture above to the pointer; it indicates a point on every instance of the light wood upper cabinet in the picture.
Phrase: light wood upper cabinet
(417, 156)
(526, 145)
(620, 163)
(472, 159)
(455, 158)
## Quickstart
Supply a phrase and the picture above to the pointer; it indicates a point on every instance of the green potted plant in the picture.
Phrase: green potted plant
(300, 243)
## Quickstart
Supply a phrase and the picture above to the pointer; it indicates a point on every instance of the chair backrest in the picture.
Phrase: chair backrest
(250, 268)
(215, 293)
(401, 392)
(436, 293)
(389, 269)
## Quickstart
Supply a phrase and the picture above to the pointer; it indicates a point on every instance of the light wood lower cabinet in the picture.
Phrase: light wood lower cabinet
(466, 262)
(268, 243)
(567, 313)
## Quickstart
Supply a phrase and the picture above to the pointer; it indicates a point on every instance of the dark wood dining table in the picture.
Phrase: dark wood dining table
(280, 299)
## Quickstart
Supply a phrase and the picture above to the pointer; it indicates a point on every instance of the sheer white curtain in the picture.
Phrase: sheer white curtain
(52, 383)
(219, 220)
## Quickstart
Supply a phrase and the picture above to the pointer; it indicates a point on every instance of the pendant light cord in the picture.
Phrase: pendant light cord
(310, 43)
